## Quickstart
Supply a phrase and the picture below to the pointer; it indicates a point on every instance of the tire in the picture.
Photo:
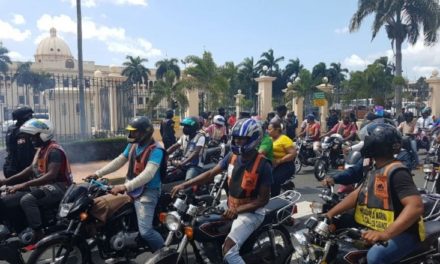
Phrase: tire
(298, 165)
(58, 248)
(320, 170)
(260, 248)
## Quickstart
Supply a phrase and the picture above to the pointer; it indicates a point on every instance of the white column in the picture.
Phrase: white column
(265, 94)
(193, 99)
(434, 94)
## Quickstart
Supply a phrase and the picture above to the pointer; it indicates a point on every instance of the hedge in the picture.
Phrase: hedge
(95, 149)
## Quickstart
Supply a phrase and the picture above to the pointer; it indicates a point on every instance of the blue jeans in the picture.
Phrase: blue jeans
(193, 172)
(398, 247)
(145, 206)
(414, 150)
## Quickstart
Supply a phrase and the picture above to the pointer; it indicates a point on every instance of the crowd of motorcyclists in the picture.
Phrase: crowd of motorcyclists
(263, 156)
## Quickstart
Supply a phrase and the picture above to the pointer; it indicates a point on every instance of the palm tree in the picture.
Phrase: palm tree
(135, 71)
(247, 72)
(292, 69)
(24, 77)
(168, 88)
(207, 78)
(403, 20)
(336, 75)
(165, 65)
(268, 59)
(4, 59)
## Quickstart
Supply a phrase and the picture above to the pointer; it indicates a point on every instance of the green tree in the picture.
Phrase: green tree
(167, 65)
(319, 71)
(5, 61)
(268, 59)
(167, 87)
(403, 20)
(292, 69)
(135, 71)
(24, 77)
(336, 75)
(207, 77)
(230, 72)
(247, 72)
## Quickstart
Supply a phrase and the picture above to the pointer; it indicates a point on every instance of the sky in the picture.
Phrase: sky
(312, 30)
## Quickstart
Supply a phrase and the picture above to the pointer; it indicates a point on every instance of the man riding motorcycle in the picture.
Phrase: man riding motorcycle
(192, 143)
(146, 164)
(217, 130)
(425, 121)
(387, 202)
(249, 183)
(44, 182)
(345, 128)
(312, 131)
(408, 128)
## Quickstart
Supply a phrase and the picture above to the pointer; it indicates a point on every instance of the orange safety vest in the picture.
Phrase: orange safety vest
(374, 207)
(41, 162)
(242, 188)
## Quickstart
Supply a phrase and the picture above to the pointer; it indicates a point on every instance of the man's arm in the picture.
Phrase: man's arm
(205, 177)
(411, 213)
(173, 148)
(351, 175)
(192, 155)
(262, 200)
(19, 177)
(52, 172)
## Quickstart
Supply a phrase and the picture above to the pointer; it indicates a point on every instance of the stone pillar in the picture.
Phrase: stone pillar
(238, 97)
(115, 76)
(193, 99)
(324, 111)
(434, 94)
(298, 108)
(265, 95)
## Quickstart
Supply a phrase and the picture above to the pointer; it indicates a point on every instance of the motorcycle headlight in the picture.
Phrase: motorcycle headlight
(172, 221)
(427, 168)
(299, 242)
(65, 209)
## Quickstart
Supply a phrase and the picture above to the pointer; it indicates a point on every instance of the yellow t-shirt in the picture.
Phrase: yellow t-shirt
(281, 145)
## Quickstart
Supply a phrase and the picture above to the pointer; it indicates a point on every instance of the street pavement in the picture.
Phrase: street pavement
(305, 182)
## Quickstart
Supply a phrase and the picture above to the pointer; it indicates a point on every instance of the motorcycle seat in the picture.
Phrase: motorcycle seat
(271, 208)
(432, 229)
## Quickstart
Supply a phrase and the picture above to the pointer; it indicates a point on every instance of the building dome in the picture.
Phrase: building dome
(53, 49)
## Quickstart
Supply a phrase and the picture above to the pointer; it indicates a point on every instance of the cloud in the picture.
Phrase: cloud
(114, 38)
(134, 47)
(341, 31)
(94, 3)
(7, 31)
(18, 19)
(16, 56)
(355, 62)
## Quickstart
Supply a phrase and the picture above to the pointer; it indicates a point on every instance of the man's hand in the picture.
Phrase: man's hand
(275, 162)
(372, 236)
(176, 189)
(231, 213)
(91, 177)
(328, 181)
(118, 189)
(17, 187)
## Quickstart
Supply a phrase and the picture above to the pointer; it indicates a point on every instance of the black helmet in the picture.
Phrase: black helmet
(381, 140)
(22, 114)
(190, 125)
(142, 124)
(169, 114)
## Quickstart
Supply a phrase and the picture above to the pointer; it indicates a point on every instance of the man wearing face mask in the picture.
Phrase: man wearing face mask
(192, 143)
(18, 145)
(146, 167)
(345, 128)
(44, 182)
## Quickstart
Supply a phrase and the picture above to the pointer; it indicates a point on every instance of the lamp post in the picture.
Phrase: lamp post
(326, 88)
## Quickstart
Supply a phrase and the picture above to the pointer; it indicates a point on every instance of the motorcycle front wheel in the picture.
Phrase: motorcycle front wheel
(58, 251)
(320, 170)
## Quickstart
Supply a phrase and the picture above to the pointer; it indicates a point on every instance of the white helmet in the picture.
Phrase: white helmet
(42, 126)
(219, 120)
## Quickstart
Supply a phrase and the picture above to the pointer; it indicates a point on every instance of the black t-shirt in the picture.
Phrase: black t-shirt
(402, 185)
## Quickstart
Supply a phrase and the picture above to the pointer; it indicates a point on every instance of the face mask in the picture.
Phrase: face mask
(138, 139)
(187, 131)
(37, 142)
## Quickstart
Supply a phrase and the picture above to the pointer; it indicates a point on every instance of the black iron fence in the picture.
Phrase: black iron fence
(109, 103)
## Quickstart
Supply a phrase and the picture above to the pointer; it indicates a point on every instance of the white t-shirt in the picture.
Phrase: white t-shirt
(184, 141)
(424, 123)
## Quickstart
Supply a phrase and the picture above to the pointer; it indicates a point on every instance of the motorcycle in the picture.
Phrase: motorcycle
(204, 228)
(423, 139)
(431, 168)
(331, 156)
(12, 244)
(316, 244)
(117, 238)
(306, 155)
